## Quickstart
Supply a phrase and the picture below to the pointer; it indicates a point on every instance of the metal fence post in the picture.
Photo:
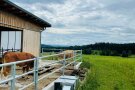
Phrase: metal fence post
(36, 74)
(53, 56)
(13, 73)
(81, 56)
(64, 58)
(42, 50)
(2, 52)
(74, 58)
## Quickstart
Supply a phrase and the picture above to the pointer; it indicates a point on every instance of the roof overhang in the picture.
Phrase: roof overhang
(8, 6)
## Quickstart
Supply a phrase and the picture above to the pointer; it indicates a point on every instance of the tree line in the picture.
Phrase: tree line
(109, 49)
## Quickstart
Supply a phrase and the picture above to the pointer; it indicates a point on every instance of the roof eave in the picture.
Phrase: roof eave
(36, 19)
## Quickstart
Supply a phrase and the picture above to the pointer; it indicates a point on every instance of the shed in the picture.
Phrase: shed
(20, 30)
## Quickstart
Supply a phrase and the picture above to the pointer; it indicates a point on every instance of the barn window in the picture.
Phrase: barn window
(11, 40)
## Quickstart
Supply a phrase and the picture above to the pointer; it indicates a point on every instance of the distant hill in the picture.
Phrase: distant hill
(46, 46)
(53, 46)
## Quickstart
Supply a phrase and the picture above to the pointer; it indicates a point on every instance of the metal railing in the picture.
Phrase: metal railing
(77, 55)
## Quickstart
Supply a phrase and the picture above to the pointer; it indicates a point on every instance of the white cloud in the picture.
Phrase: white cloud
(60, 31)
(85, 20)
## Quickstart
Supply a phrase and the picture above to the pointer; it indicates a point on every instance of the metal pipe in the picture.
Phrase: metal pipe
(50, 74)
(81, 56)
(17, 62)
(13, 73)
(36, 74)
(74, 58)
(64, 61)
(26, 86)
(53, 55)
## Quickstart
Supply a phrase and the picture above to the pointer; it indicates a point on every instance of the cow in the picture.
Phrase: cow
(68, 54)
(17, 56)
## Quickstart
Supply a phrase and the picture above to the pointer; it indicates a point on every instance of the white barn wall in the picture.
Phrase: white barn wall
(31, 42)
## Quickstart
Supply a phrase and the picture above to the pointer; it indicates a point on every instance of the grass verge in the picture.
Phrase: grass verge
(109, 73)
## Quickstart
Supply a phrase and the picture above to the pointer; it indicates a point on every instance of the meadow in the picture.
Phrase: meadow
(108, 73)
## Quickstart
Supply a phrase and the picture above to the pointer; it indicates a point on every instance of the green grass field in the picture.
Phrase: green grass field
(109, 73)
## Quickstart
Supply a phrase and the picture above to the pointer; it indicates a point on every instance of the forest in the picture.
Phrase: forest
(107, 49)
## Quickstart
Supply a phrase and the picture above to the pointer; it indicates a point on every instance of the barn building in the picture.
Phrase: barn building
(20, 30)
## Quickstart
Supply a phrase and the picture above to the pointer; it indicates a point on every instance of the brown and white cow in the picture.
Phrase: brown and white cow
(17, 56)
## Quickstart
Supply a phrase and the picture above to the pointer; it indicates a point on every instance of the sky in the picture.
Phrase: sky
(81, 22)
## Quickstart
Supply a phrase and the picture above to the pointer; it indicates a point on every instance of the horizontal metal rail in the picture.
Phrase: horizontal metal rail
(55, 55)
(26, 86)
(17, 62)
(50, 73)
(77, 55)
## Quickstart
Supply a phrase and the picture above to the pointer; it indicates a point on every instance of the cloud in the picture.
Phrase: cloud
(84, 21)
(37, 1)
